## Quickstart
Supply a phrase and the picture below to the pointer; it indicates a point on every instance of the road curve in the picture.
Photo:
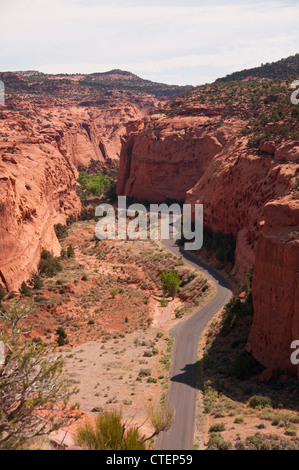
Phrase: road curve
(183, 372)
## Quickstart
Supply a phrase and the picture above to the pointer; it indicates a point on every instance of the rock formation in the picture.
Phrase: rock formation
(276, 286)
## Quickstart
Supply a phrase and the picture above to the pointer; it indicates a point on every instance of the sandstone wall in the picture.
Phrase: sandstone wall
(276, 287)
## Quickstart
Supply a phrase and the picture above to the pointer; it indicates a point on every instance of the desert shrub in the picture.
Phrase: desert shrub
(239, 420)
(48, 265)
(232, 310)
(113, 293)
(218, 427)
(25, 290)
(37, 282)
(291, 431)
(62, 336)
(260, 401)
(164, 302)
(152, 380)
(61, 231)
(71, 220)
(216, 442)
(109, 433)
(144, 372)
(87, 213)
(70, 252)
(258, 442)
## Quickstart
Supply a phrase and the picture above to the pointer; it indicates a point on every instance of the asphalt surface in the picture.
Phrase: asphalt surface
(183, 372)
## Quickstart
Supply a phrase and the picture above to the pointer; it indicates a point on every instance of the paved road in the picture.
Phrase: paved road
(183, 373)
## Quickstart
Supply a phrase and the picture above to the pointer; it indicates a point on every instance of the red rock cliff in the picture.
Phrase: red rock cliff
(185, 158)
(276, 286)
(37, 190)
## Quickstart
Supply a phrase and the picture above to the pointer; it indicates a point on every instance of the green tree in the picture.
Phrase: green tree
(61, 231)
(94, 184)
(170, 282)
(2, 292)
(70, 251)
(36, 282)
(33, 394)
(48, 265)
(25, 290)
(114, 293)
(61, 340)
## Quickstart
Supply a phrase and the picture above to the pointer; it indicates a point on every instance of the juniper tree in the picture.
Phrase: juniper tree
(33, 393)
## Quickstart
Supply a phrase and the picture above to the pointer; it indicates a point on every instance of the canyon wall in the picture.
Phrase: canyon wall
(37, 190)
(276, 286)
(185, 158)
(163, 158)
(246, 193)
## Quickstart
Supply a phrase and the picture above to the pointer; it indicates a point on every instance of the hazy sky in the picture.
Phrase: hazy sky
(176, 42)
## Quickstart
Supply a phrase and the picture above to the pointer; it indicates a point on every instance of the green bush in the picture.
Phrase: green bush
(61, 231)
(70, 253)
(232, 310)
(260, 401)
(291, 431)
(25, 290)
(113, 293)
(37, 282)
(216, 442)
(48, 265)
(62, 336)
(218, 427)
(144, 372)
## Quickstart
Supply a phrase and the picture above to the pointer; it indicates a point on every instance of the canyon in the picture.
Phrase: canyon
(232, 146)
(51, 128)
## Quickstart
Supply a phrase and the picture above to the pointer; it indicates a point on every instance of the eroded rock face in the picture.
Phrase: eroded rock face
(276, 287)
(37, 190)
(234, 191)
(165, 158)
(185, 158)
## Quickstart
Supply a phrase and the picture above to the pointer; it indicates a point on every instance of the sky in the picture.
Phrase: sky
(176, 42)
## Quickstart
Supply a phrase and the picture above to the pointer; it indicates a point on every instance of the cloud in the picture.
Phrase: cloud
(149, 37)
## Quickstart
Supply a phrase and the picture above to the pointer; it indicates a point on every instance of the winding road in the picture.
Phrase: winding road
(183, 373)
